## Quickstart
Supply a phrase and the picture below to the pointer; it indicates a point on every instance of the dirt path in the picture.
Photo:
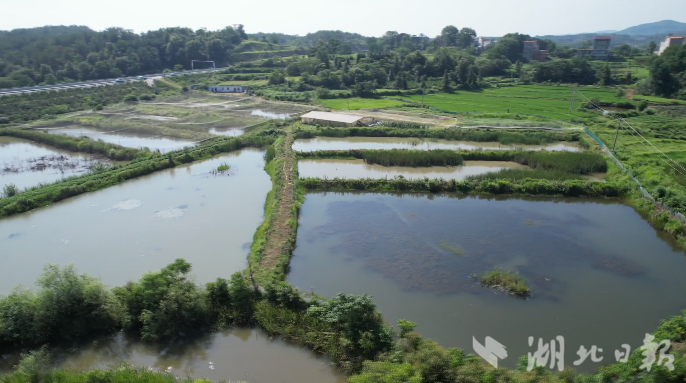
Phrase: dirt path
(280, 240)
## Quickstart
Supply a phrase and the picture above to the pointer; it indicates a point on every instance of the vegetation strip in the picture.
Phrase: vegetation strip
(569, 162)
(566, 188)
(74, 144)
(525, 137)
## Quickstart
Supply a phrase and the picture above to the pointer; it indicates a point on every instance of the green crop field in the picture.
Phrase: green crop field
(359, 103)
(546, 101)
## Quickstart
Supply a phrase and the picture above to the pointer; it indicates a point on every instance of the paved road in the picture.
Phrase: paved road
(88, 84)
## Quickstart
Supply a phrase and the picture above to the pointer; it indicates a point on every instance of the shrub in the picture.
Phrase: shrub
(130, 97)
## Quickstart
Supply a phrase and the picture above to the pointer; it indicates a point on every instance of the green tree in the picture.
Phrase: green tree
(164, 304)
(445, 84)
(241, 298)
(651, 48)
(449, 35)
(10, 190)
(662, 81)
(71, 306)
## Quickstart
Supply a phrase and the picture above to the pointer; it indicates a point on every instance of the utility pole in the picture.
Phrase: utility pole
(616, 134)
(571, 104)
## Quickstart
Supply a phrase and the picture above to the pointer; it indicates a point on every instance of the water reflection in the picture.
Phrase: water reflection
(359, 169)
(226, 132)
(123, 231)
(126, 139)
(270, 115)
(345, 143)
(596, 267)
(240, 354)
(27, 164)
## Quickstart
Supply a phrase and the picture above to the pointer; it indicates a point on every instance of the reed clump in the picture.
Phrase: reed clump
(414, 158)
(507, 281)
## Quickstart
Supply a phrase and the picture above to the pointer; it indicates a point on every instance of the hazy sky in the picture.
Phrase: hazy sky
(368, 17)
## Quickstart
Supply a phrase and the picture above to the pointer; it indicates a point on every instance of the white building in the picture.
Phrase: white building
(670, 41)
(228, 89)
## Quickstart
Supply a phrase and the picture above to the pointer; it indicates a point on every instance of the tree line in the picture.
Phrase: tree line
(53, 54)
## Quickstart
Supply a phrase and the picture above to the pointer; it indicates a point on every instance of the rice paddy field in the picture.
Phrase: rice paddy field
(545, 101)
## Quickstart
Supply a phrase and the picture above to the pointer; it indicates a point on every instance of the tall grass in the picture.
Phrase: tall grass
(414, 158)
(506, 281)
(567, 188)
(521, 174)
(527, 137)
(568, 162)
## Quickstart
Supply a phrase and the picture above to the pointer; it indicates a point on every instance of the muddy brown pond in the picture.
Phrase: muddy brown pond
(601, 274)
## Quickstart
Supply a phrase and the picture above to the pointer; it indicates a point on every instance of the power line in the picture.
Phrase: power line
(655, 150)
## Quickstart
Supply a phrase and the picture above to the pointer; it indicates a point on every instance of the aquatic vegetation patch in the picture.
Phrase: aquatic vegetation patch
(507, 281)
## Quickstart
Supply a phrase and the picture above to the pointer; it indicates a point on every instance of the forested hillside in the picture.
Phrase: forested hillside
(352, 42)
(53, 54)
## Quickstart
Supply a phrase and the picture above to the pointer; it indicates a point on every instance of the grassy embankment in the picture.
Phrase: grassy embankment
(75, 144)
(274, 240)
(43, 195)
(506, 281)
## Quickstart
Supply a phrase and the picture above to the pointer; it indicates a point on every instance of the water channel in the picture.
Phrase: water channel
(601, 274)
(123, 231)
(385, 143)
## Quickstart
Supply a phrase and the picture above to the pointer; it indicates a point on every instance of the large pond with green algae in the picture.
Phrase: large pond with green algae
(352, 169)
(385, 143)
(143, 224)
(248, 355)
(26, 164)
(126, 139)
(601, 274)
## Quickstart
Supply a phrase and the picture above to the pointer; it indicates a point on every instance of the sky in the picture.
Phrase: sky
(367, 17)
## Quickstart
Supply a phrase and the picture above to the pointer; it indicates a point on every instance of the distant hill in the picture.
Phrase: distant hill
(660, 27)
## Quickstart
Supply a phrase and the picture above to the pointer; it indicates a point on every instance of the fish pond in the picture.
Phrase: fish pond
(385, 143)
(601, 275)
(141, 225)
(235, 355)
(359, 169)
(126, 139)
(27, 164)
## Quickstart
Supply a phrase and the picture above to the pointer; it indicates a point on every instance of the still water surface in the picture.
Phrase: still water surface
(123, 231)
(237, 355)
(126, 139)
(359, 169)
(601, 274)
(385, 143)
(27, 164)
